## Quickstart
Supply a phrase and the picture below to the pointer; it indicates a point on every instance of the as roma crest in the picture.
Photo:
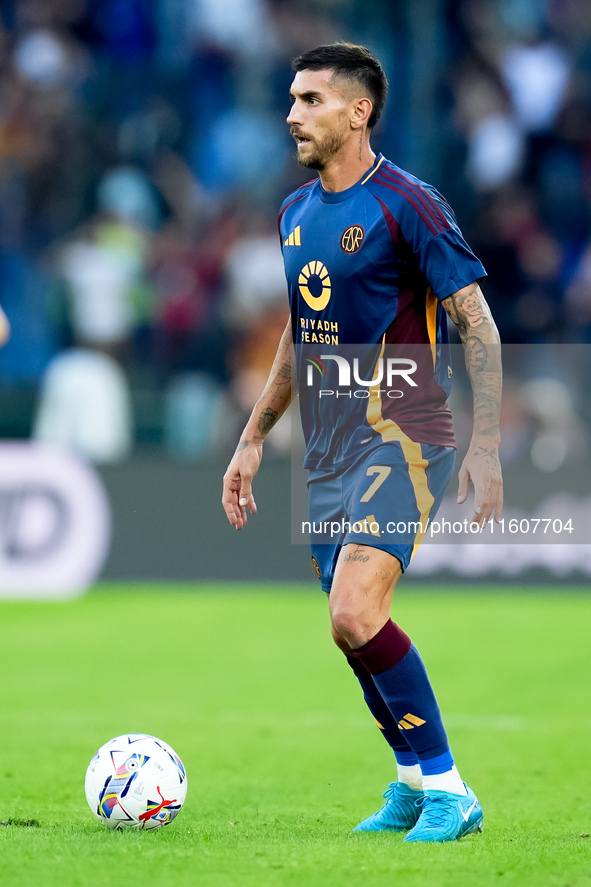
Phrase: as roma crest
(316, 567)
(352, 239)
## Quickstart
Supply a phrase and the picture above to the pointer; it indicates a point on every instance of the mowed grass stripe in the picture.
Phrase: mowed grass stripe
(282, 758)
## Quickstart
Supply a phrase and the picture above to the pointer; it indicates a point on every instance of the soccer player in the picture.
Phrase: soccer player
(374, 258)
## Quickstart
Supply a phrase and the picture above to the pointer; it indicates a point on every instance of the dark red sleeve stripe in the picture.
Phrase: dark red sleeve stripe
(426, 200)
(284, 210)
(291, 202)
(393, 226)
(416, 206)
(418, 201)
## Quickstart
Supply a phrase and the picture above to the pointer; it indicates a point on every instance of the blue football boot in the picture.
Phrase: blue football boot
(399, 813)
(446, 817)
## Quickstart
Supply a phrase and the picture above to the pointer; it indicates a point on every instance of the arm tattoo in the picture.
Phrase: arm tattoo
(267, 419)
(280, 375)
(469, 311)
(284, 372)
(275, 398)
(475, 351)
(482, 349)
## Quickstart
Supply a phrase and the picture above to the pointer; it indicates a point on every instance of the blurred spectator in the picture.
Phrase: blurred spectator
(558, 433)
(255, 276)
(85, 407)
(193, 412)
(144, 155)
(104, 266)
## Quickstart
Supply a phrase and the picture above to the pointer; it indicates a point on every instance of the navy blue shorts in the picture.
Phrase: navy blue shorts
(384, 499)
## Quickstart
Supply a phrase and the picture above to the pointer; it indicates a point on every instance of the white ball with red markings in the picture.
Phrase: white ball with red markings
(136, 781)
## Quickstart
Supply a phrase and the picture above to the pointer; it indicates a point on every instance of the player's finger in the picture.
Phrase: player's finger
(481, 516)
(499, 505)
(244, 514)
(230, 506)
(482, 506)
(494, 497)
(478, 516)
(485, 499)
(230, 501)
(463, 479)
(246, 499)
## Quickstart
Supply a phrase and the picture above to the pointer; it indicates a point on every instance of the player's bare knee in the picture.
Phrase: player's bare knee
(351, 622)
(340, 641)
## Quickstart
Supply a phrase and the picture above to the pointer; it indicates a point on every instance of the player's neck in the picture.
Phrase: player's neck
(347, 167)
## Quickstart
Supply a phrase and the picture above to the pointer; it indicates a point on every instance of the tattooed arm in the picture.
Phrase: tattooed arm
(270, 406)
(482, 350)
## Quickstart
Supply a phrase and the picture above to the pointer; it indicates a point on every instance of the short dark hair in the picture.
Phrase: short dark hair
(353, 63)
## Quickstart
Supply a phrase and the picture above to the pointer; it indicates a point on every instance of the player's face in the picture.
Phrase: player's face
(319, 118)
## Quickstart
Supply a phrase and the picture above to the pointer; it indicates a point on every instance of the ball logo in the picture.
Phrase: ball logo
(352, 239)
(315, 286)
(154, 807)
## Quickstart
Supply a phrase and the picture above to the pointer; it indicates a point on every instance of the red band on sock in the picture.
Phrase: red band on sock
(357, 666)
(385, 649)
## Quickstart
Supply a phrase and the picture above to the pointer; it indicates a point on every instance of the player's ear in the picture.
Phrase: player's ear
(361, 112)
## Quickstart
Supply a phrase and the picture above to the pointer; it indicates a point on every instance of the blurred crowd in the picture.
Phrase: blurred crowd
(144, 155)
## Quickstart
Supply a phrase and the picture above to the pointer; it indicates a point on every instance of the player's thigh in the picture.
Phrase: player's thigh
(362, 588)
(392, 495)
(326, 517)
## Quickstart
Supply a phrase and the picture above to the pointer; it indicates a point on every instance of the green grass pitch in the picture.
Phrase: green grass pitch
(282, 757)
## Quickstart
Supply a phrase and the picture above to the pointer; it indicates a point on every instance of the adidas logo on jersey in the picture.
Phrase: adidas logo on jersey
(294, 238)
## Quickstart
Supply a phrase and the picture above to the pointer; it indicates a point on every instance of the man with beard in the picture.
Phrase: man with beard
(374, 257)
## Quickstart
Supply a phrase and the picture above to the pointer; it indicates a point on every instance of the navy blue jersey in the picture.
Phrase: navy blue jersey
(366, 267)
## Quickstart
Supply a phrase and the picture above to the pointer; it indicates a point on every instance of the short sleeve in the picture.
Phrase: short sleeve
(448, 263)
(419, 213)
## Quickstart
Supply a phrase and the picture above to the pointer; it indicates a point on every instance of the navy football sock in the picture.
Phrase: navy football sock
(382, 714)
(400, 676)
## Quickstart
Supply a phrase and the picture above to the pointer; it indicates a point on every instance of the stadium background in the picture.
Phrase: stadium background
(143, 156)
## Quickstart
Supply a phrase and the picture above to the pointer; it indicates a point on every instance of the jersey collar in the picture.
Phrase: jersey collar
(340, 196)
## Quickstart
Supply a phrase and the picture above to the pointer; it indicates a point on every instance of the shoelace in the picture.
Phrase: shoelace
(435, 811)
(390, 790)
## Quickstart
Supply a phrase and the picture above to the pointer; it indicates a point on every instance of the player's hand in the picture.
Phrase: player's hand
(481, 466)
(237, 493)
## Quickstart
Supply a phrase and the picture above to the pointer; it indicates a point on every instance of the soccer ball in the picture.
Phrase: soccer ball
(135, 781)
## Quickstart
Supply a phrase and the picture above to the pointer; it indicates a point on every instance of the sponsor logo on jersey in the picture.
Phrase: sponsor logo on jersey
(314, 278)
(352, 239)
